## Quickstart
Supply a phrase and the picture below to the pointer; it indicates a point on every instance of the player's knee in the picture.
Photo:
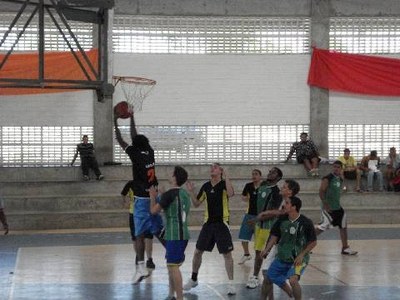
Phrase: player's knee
(294, 280)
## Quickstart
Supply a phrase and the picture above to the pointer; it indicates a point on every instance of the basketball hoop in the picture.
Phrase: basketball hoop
(135, 89)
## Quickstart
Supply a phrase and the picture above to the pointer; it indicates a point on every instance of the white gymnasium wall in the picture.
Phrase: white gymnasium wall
(206, 90)
(58, 109)
(220, 89)
(357, 109)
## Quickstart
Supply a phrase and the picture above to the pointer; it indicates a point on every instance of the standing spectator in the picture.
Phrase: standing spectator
(350, 169)
(249, 195)
(268, 201)
(144, 176)
(215, 230)
(370, 166)
(3, 218)
(306, 154)
(128, 196)
(88, 159)
(332, 213)
(176, 205)
(295, 238)
(392, 167)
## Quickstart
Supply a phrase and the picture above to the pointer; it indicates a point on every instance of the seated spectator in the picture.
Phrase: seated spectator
(392, 167)
(370, 165)
(88, 159)
(350, 169)
(306, 154)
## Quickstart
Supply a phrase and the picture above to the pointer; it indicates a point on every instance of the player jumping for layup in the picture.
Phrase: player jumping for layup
(143, 166)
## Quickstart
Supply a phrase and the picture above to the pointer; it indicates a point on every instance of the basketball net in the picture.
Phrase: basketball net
(135, 90)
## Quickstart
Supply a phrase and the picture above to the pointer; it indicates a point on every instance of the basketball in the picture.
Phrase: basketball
(122, 110)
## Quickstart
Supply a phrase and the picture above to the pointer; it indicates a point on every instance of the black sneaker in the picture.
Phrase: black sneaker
(150, 264)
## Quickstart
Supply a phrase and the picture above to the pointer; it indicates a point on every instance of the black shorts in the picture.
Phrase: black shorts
(132, 228)
(332, 219)
(350, 174)
(215, 233)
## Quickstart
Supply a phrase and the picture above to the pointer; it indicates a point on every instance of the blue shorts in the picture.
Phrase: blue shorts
(175, 252)
(132, 229)
(145, 222)
(246, 230)
(279, 271)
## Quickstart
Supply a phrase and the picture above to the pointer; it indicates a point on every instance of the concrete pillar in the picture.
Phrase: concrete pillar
(321, 10)
(103, 124)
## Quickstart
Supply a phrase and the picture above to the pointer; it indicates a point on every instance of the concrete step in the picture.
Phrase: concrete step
(107, 186)
(124, 172)
(59, 203)
(41, 220)
(114, 201)
(57, 198)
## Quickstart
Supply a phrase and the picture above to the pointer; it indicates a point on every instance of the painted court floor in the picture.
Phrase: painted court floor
(99, 265)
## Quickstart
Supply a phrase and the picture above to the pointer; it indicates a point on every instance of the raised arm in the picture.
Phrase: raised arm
(133, 127)
(190, 189)
(75, 156)
(229, 187)
(292, 149)
(322, 192)
(118, 135)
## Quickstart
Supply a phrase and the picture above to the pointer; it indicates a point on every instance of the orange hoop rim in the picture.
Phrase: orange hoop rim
(134, 79)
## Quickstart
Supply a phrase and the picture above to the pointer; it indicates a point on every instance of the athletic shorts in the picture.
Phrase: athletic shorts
(175, 252)
(332, 219)
(246, 230)
(279, 271)
(269, 259)
(350, 174)
(132, 228)
(145, 222)
(215, 233)
(261, 236)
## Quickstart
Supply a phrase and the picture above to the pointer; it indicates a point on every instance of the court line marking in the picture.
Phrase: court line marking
(215, 291)
(326, 273)
(12, 288)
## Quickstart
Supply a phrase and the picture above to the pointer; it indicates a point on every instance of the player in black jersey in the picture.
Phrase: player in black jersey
(143, 167)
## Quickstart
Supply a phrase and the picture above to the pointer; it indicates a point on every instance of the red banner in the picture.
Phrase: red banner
(355, 73)
(57, 65)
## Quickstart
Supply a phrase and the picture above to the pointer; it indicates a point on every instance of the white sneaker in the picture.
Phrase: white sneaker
(231, 290)
(190, 284)
(252, 283)
(348, 251)
(244, 258)
(141, 273)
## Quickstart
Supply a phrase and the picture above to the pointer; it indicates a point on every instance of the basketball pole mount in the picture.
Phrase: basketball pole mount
(97, 13)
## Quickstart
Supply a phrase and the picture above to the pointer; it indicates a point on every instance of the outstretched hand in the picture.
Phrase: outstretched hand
(153, 192)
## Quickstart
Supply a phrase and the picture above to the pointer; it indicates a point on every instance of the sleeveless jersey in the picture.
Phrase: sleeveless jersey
(176, 205)
(268, 198)
(332, 194)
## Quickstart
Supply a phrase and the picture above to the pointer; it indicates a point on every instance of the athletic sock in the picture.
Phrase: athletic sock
(194, 276)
